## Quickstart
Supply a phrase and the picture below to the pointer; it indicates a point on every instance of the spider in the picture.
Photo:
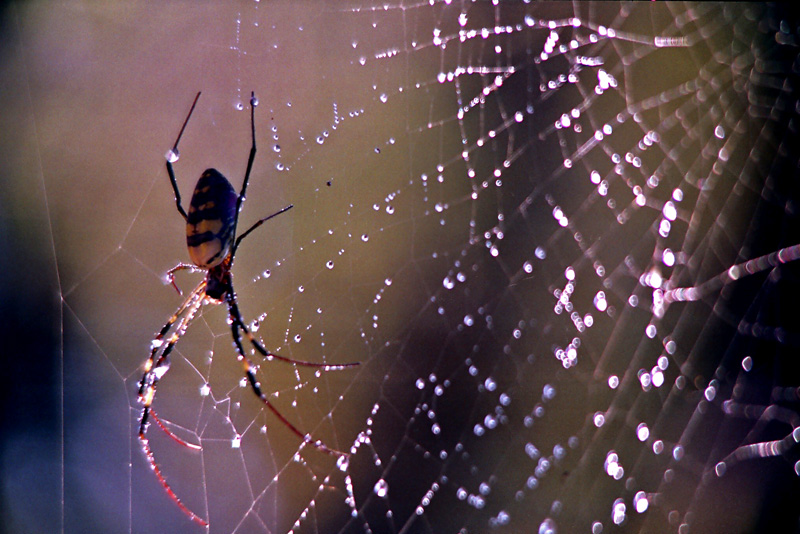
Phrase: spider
(212, 241)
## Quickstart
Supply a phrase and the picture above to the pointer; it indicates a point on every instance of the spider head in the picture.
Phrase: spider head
(218, 280)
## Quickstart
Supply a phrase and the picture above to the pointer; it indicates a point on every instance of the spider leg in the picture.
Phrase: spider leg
(154, 466)
(171, 434)
(155, 369)
(172, 156)
(181, 267)
(252, 157)
(236, 324)
(256, 225)
(236, 318)
(152, 368)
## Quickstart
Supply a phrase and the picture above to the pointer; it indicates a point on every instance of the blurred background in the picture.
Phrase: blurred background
(491, 203)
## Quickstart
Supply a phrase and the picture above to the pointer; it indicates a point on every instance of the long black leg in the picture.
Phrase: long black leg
(247, 365)
(253, 104)
(256, 225)
(236, 320)
(173, 155)
(154, 370)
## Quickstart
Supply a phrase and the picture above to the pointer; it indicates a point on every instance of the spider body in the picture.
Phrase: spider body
(211, 221)
(212, 242)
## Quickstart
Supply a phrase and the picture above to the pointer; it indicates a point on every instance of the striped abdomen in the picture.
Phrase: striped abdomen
(211, 218)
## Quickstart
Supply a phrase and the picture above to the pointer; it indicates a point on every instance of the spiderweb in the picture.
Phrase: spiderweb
(561, 239)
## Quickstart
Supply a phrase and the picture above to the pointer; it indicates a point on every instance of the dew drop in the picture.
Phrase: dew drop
(381, 488)
(343, 463)
(548, 526)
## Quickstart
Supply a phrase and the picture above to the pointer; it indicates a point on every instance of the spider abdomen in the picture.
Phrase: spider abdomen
(211, 220)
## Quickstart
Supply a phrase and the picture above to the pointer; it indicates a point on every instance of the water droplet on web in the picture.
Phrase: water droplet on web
(600, 301)
(618, 513)
(276, 148)
(448, 282)
(329, 265)
(548, 526)
(381, 488)
(297, 338)
(172, 155)
(343, 463)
